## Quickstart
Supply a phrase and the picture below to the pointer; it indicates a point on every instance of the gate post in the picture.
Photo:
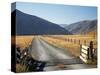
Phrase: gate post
(80, 49)
(91, 50)
(88, 54)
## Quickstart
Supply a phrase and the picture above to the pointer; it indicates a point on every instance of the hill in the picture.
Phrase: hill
(82, 27)
(27, 24)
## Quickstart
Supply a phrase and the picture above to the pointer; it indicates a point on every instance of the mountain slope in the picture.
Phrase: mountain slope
(63, 25)
(29, 24)
(82, 27)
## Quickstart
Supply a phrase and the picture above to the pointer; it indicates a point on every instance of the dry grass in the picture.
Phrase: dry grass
(20, 68)
(23, 41)
(72, 47)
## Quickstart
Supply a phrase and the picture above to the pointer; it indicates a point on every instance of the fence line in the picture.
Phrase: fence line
(74, 41)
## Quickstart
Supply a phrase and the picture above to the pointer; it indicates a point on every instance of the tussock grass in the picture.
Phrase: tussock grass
(23, 41)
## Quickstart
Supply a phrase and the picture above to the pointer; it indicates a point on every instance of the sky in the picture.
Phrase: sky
(58, 13)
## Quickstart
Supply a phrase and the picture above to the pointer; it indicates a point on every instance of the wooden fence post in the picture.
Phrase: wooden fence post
(91, 50)
(84, 42)
(74, 40)
(71, 40)
(68, 40)
(79, 41)
(80, 49)
(88, 53)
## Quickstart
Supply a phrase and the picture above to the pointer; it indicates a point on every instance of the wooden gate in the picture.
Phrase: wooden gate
(87, 53)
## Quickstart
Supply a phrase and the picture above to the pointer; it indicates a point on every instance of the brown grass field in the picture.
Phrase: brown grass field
(23, 41)
(73, 47)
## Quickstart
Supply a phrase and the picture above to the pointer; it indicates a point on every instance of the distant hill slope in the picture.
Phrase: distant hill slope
(63, 25)
(32, 25)
(82, 27)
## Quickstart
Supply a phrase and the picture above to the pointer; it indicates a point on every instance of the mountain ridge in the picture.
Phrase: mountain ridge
(82, 27)
(27, 24)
